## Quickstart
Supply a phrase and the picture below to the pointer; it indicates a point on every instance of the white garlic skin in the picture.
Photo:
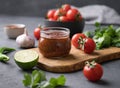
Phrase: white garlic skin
(25, 41)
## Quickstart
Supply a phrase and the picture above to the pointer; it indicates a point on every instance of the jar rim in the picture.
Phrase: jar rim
(44, 29)
(48, 30)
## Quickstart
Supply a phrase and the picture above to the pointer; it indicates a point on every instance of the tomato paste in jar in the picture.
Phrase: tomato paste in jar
(54, 42)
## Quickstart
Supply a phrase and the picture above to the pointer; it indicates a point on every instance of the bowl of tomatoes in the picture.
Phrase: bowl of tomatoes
(65, 16)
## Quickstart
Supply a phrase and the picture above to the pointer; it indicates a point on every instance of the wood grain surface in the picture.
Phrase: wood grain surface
(76, 59)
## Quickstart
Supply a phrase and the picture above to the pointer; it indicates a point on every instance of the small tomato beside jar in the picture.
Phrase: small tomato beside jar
(93, 71)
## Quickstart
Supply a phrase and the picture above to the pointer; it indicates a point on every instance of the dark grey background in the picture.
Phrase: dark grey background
(40, 7)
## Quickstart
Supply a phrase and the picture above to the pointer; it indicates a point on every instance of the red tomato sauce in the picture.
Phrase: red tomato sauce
(55, 44)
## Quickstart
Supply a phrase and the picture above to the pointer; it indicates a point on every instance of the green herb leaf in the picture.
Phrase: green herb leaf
(107, 40)
(110, 31)
(116, 42)
(106, 36)
(4, 58)
(3, 51)
(35, 78)
(38, 80)
(117, 32)
(89, 34)
(60, 81)
(27, 80)
(6, 50)
(97, 24)
(45, 84)
(53, 82)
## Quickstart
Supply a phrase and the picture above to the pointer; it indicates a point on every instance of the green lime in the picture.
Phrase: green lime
(26, 59)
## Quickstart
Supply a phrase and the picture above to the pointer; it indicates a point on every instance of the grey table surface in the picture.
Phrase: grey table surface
(11, 75)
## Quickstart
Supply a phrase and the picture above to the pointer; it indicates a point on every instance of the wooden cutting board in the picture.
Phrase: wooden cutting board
(76, 59)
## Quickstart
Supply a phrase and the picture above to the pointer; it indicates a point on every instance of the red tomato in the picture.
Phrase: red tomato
(50, 13)
(51, 19)
(66, 7)
(72, 14)
(59, 12)
(37, 32)
(76, 39)
(93, 71)
(89, 45)
(63, 19)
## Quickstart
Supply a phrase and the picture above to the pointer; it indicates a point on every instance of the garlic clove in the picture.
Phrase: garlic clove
(25, 41)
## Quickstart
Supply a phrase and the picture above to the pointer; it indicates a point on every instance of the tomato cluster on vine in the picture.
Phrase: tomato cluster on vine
(82, 42)
(66, 13)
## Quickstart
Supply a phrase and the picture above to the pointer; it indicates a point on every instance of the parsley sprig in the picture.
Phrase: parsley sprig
(38, 80)
(105, 36)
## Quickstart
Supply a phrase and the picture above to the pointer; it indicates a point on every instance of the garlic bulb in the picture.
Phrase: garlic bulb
(25, 41)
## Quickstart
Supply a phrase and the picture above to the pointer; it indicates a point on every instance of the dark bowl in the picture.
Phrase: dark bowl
(75, 27)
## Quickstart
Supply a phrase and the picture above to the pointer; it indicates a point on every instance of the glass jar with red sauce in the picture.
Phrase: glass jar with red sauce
(54, 42)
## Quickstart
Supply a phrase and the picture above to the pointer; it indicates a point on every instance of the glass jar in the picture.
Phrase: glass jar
(54, 42)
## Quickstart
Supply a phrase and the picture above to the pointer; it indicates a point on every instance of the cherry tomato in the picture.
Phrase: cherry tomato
(89, 45)
(37, 32)
(72, 14)
(93, 71)
(76, 39)
(59, 12)
(50, 13)
(51, 19)
(63, 19)
(66, 7)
